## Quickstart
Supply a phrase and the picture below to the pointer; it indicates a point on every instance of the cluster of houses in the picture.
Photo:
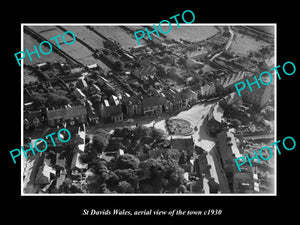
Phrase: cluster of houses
(138, 90)
(215, 171)
(112, 109)
(228, 148)
(203, 170)
(119, 106)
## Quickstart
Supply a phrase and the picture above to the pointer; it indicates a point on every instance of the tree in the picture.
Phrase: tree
(124, 132)
(85, 157)
(112, 180)
(54, 100)
(172, 153)
(128, 175)
(100, 140)
(118, 65)
(108, 44)
(154, 172)
(264, 50)
(140, 132)
(196, 79)
(75, 189)
(167, 59)
(127, 161)
(174, 176)
(156, 134)
(38, 99)
(125, 187)
(106, 51)
(103, 189)
(100, 167)
(236, 123)
(68, 188)
(113, 145)
(182, 60)
(161, 70)
(99, 143)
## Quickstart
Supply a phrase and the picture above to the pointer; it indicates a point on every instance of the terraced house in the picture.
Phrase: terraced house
(154, 105)
(67, 114)
(132, 106)
(111, 110)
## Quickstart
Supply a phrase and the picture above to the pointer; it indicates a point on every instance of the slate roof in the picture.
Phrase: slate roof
(153, 101)
(67, 112)
(228, 145)
(30, 116)
(135, 100)
(171, 95)
(182, 144)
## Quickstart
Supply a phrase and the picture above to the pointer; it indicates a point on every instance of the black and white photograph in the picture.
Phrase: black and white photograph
(163, 116)
(135, 113)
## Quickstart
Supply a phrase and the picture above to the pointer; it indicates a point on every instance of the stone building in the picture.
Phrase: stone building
(70, 114)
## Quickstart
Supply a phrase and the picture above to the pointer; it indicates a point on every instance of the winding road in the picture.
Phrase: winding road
(228, 44)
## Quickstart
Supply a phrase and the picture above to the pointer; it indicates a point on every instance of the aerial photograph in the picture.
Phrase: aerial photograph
(162, 117)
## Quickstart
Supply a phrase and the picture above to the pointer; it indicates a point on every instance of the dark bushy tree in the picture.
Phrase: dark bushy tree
(118, 65)
(163, 174)
(161, 70)
(100, 140)
(125, 187)
(38, 99)
(55, 100)
(127, 161)
(112, 180)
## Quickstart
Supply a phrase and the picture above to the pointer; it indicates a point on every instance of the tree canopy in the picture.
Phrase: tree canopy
(131, 173)
(100, 140)
(127, 161)
(163, 174)
(54, 100)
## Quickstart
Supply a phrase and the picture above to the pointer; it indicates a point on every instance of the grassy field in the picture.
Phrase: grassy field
(242, 44)
(29, 42)
(115, 33)
(88, 36)
(191, 33)
(76, 50)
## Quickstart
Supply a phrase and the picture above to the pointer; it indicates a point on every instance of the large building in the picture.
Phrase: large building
(188, 96)
(67, 114)
(154, 105)
(204, 90)
(33, 119)
(175, 102)
(111, 110)
(214, 120)
(208, 89)
(228, 150)
(183, 145)
(205, 166)
(246, 180)
(258, 96)
(132, 106)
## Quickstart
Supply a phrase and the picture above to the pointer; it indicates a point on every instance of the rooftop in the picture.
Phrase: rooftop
(153, 101)
(228, 145)
(182, 144)
(66, 112)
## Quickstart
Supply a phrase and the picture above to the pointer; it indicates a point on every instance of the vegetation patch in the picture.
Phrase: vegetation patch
(179, 127)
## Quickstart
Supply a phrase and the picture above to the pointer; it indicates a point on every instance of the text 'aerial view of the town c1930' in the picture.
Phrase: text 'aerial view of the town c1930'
(160, 118)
